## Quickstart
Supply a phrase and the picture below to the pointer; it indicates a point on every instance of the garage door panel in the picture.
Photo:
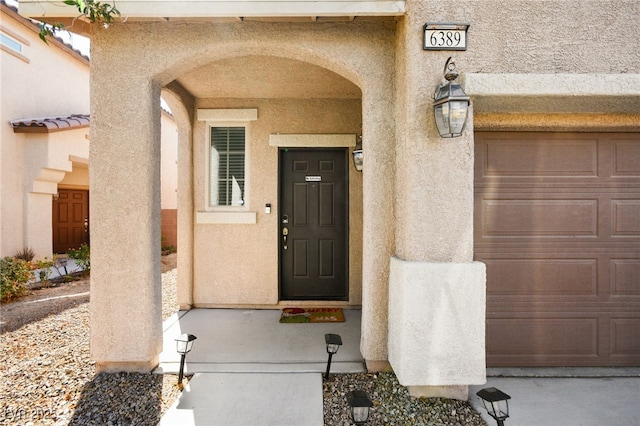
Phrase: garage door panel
(557, 222)
(543, 336)
(552, 158)
(625, 218)
(540, 218)
(626, 158)
(625, 337)
(625, 277)
(542, 277)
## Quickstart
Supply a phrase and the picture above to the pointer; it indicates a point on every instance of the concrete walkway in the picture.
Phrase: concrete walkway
(566, 396)
(251, 370)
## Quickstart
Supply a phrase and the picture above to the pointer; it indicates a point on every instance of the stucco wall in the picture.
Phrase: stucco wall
(238, 264)
(144, 57)
(417, 188)
(50, 82)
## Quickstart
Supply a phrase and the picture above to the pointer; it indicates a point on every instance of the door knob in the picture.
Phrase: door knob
(285, 232)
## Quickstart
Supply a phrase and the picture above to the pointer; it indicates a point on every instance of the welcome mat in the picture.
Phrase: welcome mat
(300, 315)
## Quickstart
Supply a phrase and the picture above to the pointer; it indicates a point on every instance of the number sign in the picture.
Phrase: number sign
(438, 36)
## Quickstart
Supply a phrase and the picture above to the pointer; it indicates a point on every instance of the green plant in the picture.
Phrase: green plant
(94, 11)
(82, 257)
(14, 275)
(43, 269)
(25, 254)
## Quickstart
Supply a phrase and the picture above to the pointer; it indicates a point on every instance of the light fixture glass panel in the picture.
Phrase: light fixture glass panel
(458, 116)
(441, 114)
(360, 414)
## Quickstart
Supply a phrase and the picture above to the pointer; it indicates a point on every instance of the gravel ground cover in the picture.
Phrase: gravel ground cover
(392, 404)
(47, 377)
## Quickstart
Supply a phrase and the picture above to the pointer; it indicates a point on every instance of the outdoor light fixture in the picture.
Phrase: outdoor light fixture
(333, 342)
(358, 156)
(184, 343)
(450, 104)
(360, 404)
(496, 403)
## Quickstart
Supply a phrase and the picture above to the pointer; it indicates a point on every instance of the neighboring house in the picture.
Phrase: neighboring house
(269, 99)
(44, 156)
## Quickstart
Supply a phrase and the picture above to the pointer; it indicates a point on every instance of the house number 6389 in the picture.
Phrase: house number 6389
(442, 38)
(439, 37)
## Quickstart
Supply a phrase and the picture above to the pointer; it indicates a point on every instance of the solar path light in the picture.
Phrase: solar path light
(184, 343)
(333, 342)
(359, 403)
(496, 403)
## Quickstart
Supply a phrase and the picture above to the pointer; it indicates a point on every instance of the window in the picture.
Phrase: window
(227, 166)
(11, 43)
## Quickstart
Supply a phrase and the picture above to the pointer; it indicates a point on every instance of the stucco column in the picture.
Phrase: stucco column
(126, 294)
(436, 291)
(378, 221)
(182, 107)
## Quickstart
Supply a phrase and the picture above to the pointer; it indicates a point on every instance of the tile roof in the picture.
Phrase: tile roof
(50, 124)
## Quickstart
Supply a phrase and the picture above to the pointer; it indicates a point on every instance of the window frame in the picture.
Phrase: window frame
(17, 39)
(207, 193)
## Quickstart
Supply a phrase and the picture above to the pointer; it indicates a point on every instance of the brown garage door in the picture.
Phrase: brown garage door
(557, 222)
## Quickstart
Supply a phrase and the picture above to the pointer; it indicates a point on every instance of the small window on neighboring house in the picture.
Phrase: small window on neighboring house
(227, 166)
(10, 42)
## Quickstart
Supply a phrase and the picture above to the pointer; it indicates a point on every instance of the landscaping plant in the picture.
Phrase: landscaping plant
(81, 257)
(14, 275)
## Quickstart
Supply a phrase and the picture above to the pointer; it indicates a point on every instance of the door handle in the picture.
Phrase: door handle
(285, 232)
(86, 224)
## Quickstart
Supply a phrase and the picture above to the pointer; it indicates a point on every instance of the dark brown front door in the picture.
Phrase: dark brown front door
(313, 224)
(70, 220)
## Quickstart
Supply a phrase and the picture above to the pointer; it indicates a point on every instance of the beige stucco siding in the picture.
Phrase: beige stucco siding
(43, 81)
(237, 264)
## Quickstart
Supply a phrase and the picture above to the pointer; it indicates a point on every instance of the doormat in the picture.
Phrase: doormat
(300, 315)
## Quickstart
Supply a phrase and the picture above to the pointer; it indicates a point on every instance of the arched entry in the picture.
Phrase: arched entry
(170, 55)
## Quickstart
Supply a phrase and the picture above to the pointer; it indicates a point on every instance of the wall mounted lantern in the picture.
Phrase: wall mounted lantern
(358, 156)
(496, 403)
(333, 342)
(451, 103)
(184, 343)
(360, 404)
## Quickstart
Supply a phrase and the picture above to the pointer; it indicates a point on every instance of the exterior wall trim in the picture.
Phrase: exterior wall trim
(312, 140)
(223, 114)
(553, 93)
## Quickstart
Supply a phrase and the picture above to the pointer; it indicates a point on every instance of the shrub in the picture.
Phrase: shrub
(43, 269)
(14, 275)
(25, 254)
(82, 257)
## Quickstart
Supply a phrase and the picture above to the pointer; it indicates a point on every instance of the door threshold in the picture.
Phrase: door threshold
(316, 304)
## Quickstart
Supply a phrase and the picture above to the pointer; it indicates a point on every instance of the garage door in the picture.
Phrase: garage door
(557, 222)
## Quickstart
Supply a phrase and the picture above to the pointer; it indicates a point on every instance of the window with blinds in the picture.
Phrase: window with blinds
(227, 166)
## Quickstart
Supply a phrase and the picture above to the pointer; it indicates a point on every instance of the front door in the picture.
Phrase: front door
(313, 224)
(70, 220)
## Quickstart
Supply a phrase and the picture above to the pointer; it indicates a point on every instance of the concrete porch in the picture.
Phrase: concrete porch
(250, 369)
(253, 341)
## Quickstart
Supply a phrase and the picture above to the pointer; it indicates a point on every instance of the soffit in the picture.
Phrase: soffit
(172, 9)
(263, 77)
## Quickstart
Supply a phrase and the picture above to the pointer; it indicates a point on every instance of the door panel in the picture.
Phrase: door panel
(70, 220)
(313, 224)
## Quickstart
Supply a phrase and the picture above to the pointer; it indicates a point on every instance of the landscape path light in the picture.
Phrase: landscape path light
(360, 404)
(451, 104)
(496, 403)
(333, 342)
(184, 343)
